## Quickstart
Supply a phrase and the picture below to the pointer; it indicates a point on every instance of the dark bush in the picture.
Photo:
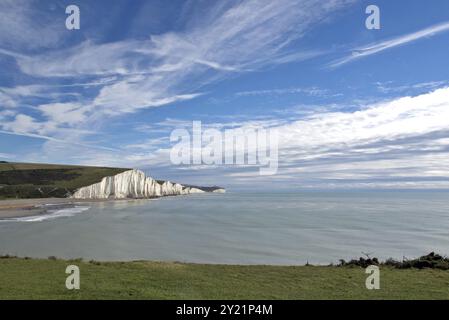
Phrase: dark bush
(430, 261)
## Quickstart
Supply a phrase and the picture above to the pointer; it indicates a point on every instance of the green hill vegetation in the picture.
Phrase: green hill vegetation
(32, 180)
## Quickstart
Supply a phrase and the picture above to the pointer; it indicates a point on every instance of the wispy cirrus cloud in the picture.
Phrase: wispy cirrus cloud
(311, 91)
(135, 74)
(378, 47)
(391, 87)
(59, 141)
(23, 24)
(241, 36)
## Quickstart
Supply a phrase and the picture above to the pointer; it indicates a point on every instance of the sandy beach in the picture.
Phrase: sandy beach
(18, 208)
(15, 208)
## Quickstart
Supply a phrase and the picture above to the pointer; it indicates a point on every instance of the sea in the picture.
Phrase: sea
(240, 227)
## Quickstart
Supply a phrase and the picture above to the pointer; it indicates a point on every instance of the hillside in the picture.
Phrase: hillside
(32, 180)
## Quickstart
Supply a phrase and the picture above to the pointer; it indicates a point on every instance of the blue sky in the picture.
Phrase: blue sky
(353, 107)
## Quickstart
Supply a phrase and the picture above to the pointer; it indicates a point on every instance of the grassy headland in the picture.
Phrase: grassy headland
(29, 180)
(45, 279)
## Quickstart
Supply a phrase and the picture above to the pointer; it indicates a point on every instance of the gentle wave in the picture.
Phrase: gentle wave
(52, 214)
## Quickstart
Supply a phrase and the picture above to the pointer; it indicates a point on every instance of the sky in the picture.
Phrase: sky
(353, 107)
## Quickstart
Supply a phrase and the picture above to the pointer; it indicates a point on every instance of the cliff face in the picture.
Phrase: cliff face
(132, 184)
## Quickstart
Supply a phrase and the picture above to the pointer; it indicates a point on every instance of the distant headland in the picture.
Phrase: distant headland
(29, 189)
(31, 180)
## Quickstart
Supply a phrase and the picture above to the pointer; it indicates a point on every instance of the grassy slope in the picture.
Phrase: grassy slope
(45, 279)
(28, 180)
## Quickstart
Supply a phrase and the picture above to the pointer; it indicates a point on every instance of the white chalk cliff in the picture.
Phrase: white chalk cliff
(132, 184)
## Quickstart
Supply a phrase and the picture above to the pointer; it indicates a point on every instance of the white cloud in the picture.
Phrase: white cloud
(398, 143)
(390, 87)
(18, 96)
(391, 120)
(59, 142)
(65, 113)
(22, 123)
(23, 25)
(127, 76)
(404, 140)
(388, 44)
(6, 101)
(170, 67)
(311, 91)
(7, 156)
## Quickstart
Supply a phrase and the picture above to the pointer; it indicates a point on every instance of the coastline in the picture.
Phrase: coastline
(31, 195)
(21, 208)
(18, 208)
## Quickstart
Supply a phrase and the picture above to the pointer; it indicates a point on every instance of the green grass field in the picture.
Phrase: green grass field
(45, 279)
(28, 180)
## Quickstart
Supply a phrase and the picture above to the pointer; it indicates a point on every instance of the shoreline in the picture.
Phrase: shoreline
(22, 208)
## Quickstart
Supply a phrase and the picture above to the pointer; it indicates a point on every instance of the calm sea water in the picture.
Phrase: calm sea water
(242, 228)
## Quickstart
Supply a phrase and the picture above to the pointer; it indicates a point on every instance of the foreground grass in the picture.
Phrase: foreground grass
(45, 279)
